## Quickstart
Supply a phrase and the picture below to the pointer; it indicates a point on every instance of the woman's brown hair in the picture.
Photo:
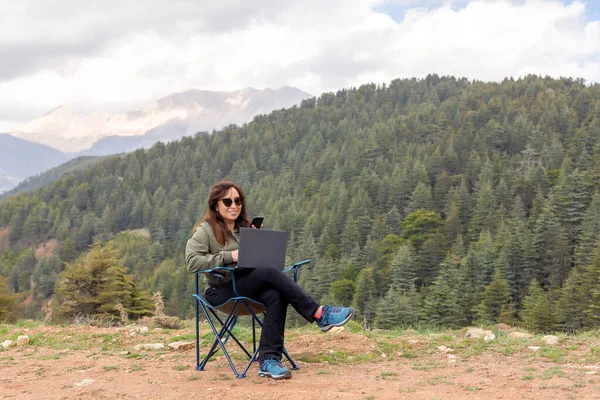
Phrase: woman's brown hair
(213, 217)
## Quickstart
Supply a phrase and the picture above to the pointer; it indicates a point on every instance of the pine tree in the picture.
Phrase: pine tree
(590, 232)
(341, 292)
(452, 225)
(538, 311)
(386, 317)
(403, 270)
(8, 303)
(420, 199)
(95, 284)
(483, 214)
(574, 299)
(394, 221)
(551, 246)
(45, 274)
(592, 280)
(439, 306)
(396, 309)
(365, 295)
(495, 301)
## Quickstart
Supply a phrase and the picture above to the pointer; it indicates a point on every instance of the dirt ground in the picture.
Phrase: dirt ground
(101, 363)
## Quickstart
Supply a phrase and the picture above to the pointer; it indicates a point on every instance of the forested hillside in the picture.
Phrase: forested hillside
(438, 200)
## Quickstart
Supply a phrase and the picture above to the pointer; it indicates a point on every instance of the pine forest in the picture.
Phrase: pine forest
(438, 201)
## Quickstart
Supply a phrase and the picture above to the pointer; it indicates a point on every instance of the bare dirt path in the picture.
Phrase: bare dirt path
(90, 363)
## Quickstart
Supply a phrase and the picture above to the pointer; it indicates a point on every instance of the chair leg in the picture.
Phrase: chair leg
(222, 336)
(197, 334)
(294, 365)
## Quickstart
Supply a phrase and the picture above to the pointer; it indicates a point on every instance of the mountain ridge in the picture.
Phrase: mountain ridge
(20, 158)
(179, 114)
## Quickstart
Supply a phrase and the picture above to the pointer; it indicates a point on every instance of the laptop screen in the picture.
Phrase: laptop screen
(262, 248)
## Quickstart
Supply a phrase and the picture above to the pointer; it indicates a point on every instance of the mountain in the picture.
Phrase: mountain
(21, 158)
(49, 176)
(169, 118)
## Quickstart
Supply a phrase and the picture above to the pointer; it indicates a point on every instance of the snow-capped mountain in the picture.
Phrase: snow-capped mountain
(170, 118)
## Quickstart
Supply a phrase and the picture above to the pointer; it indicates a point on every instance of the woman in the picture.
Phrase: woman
(215, 243)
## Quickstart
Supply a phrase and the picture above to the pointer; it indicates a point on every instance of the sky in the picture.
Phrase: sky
(116, 55)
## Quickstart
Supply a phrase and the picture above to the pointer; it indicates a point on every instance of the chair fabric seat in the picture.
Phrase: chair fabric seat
(255, 306)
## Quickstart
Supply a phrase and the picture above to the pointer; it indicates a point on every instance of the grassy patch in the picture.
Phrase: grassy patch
(111, 368)
(555, 354)
(189, 337)
(339, 357)
(136, 367)
(181, 367)
(471, 388)
(49, 357)
(550, 372)
(427, 366)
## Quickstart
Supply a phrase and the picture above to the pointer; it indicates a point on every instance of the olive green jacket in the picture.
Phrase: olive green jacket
(203, 252)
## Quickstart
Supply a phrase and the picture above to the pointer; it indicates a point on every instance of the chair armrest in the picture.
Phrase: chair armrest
(295, 268)
(215, 269)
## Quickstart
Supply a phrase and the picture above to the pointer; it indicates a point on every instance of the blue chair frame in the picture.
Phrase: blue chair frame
(234, 307)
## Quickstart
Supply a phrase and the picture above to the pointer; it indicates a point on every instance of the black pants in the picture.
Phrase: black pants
(275, 290)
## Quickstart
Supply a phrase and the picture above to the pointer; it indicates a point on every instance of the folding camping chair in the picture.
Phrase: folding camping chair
(234, 307)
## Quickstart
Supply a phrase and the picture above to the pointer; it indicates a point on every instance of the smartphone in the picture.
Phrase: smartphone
(257, 222)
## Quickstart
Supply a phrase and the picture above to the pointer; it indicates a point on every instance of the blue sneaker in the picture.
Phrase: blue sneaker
(334, 316)
(273, 369)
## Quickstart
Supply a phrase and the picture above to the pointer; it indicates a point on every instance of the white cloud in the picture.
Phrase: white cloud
(116, 55)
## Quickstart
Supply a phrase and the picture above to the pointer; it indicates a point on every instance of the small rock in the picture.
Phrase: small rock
(520, 335)
(141, 329)
(336, 329)
(550, 339)
(479, 333)
(592, 369)
(182, 345)
(8, 343)
(445, 349)
(489, 338)
(451, 358)
(85, 382)
(534, 348)
(413, 341)
(124, 353)
(149, 346)
(23, 340)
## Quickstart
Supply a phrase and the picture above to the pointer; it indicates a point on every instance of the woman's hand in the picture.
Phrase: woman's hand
(234, 255)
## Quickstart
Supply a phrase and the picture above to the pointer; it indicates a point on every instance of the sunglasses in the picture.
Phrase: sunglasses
(228, 202)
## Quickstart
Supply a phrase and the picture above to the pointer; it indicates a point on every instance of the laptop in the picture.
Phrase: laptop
(261, 248)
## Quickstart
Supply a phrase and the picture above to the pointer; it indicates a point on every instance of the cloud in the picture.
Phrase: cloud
(116, 55)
